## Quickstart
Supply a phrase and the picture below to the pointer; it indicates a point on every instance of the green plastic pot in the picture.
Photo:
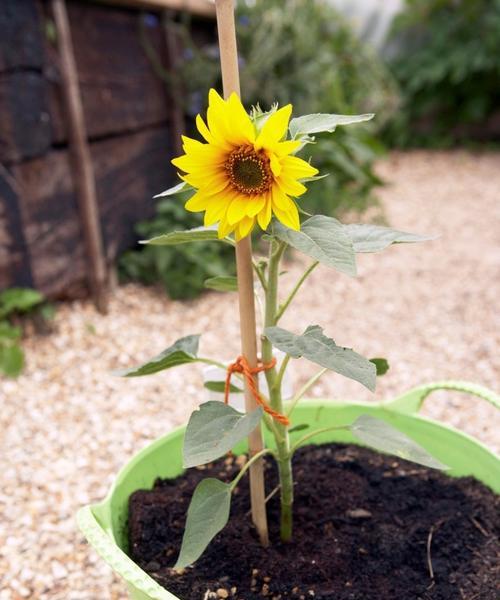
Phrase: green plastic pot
(105, 524)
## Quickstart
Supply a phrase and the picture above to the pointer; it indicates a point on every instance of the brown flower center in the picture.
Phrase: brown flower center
(249, 171)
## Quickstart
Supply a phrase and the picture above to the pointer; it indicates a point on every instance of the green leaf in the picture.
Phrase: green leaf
(220, 386)
(321, 122)
(18, 299)
(222, 284)
(183, 186)
(381, 364)
(324, 239)
(198, 234)
(215, 429)
(8, 331)
(318, 348)
(208, 513)
(184, 351)
(384, 437)
(373, 238)
(314, 177)
(11, 360)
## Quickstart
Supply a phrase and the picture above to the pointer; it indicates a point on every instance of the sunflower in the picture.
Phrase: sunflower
(243, 174)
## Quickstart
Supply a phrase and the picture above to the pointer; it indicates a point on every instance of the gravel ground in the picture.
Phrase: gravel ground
(68, 426)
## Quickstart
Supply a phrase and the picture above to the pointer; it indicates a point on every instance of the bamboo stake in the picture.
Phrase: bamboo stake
(231, 83)
(83, 171)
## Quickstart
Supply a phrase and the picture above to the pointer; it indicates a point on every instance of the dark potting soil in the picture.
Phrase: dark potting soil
(366, 527)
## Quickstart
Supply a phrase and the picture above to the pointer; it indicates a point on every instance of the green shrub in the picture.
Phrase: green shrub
(182, 268)
(448, 67)
(15, 302)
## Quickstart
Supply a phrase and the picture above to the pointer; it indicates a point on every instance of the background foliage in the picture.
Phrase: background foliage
(447, 62)
(15, 303)
(306, 55)
(183, 268)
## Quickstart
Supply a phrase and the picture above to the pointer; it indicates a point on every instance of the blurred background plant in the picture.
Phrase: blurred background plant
(15, 305)
(180, 269)
(446, 58)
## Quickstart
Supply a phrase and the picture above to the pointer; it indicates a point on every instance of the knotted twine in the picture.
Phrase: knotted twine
(241, 366)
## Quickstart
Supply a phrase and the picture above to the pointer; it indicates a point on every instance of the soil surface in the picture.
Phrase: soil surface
(367, 527)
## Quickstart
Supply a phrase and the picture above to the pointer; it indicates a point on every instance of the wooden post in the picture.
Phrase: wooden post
(82, 167)
(231, 83)
(176, 111)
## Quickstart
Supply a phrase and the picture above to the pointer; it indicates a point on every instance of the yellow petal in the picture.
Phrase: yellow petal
(274, 128)
(291, 186)
(279, 198)
(215, 211)
(255, 205)
(237, 209)
(287, 147)
(240, 121)
(264, 216)
(203, 129)
(244, 228)
(197, 202)
(225, 229)
(275, 164)
(297, 168)
(290, 217)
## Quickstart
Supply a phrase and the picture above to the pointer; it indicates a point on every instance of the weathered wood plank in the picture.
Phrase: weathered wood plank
(129, 171)
(20, 35)
(14, 260)
(24, 120)
(121, 91)
(203, 8)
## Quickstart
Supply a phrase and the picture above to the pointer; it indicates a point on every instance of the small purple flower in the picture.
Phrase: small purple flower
(188, 54)
(244, 21)
(151, 20)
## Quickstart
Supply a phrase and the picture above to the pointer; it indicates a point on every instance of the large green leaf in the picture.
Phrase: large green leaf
(373, 238)
(324, 239)
(318, 348)
(18, 299)
(322, 122)
(198, 234)
(222, 284)
(215, 429)
(208, 513)
(183, 351)
(384, 437)
(181, 187)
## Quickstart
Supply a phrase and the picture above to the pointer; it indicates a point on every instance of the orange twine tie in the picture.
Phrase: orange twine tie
(241, 366)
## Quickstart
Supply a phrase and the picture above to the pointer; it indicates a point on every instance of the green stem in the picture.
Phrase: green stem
(274, 383)
(297, 287)
(215, 363)
(306, 387)
(281, 372)
(260, 275)
(247, 465)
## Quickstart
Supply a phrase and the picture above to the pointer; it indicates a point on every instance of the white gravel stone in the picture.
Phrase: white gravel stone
(67, 425)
